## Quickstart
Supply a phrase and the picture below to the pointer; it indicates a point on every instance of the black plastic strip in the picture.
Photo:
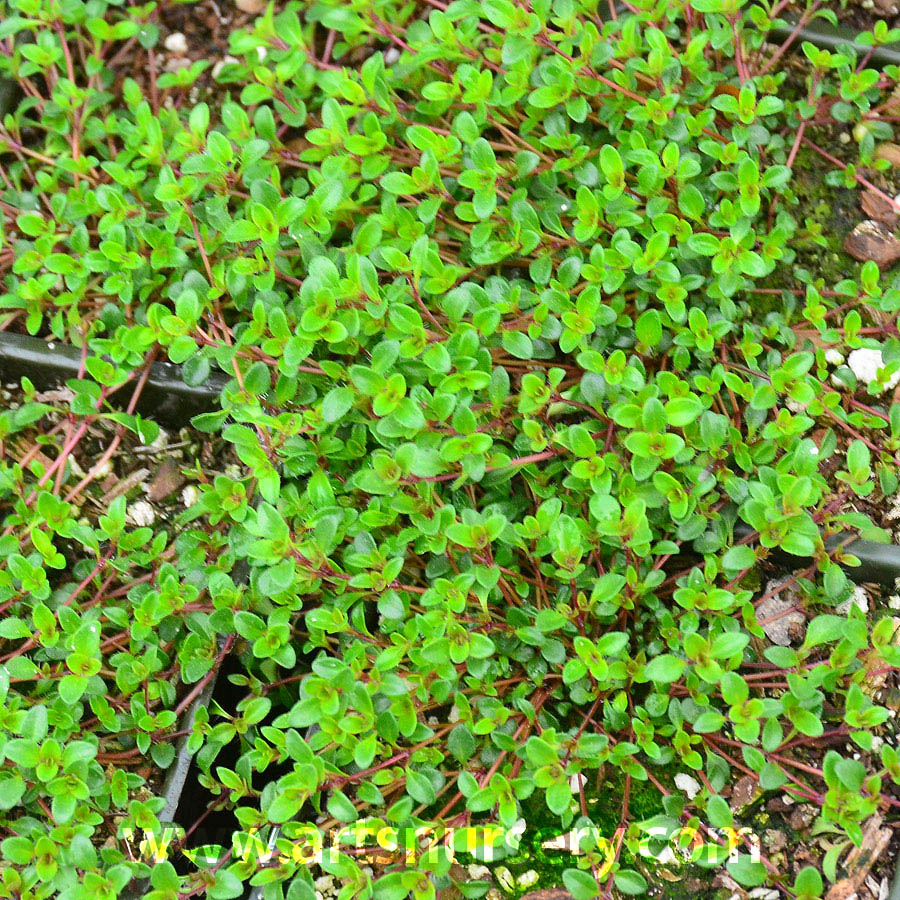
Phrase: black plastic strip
(165, 396)
(828, 37)
(877, 562)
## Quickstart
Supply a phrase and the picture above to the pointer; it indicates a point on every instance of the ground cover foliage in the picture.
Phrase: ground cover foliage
(517, 332)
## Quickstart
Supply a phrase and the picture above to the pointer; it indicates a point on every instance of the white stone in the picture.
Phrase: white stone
(845, 137)
(833, 357)
(893, 513)
(526, 879)
(778, 614)
(391, 55)
(504, 878)
(176, 43)
(794, 406)
(689, 785)
(865, 364)
(141, 513)
(858, 598)
(101, 470)
(667, 857)
(190, 495)
(478, 872)
(220, 64)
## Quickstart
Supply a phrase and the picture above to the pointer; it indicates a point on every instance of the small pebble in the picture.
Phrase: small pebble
(833, 357)
(161, 441)
(858, 598)
(526, 879)
(190, 495)
(844, 136)
(176, 43)
(102, 469)
(865, 364)
(254, 7)
(689, 785)
(220, 64)
(391, 55)
(141, 513)
(763, 893)
(504, 878)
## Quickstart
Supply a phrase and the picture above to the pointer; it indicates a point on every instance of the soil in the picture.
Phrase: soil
(860, 15)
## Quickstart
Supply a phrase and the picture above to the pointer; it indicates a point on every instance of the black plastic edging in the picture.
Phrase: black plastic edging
(824, 35)
(830, 37)
(176, 774)
(165, 396)
(877, 562)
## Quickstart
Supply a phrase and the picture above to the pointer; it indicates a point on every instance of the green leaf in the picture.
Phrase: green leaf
(824, 629)
(709, 721)
(336, 404)
(664, 669)
(419, 787)
(461, 743)
(339, 806)
(747, 872)
(540, 753)
(737, 559)
(580, 884)
(517, 344)
(630, 882)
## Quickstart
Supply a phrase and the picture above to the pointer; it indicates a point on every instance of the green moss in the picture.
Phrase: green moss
(826, 212)
(604, 809)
